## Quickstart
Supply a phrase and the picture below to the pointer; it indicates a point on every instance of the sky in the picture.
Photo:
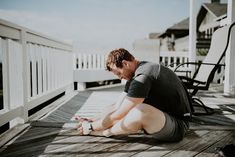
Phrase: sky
(96, 23)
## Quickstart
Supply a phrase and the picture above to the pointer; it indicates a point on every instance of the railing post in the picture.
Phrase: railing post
(229, 84)
(25, 75)
(6, 80)
(85, 66)
(103, 62)
(93, 61)
(79, 61)
(192, 34)
(99, 63)
(89, 61)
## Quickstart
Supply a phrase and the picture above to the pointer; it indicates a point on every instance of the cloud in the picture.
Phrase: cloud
(84, 31)
(66, 29)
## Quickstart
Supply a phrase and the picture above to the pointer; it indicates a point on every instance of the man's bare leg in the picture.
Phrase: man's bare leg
(143, 116)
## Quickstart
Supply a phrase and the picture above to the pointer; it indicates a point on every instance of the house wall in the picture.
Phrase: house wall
(182, 44)
(208, 24)
(163, 44)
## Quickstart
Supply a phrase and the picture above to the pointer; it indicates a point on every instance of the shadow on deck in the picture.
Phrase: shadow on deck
(53, 135)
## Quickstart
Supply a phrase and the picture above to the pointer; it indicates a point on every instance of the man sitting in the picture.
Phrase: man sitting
(154, 100)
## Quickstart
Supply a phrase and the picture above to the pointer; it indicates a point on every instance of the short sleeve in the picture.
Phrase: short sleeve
(139, 87)
(127, 86)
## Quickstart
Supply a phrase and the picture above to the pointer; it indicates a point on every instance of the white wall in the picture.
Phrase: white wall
(147, 49)
(181, 44)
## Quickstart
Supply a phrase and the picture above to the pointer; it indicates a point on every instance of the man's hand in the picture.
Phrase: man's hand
(81, 119)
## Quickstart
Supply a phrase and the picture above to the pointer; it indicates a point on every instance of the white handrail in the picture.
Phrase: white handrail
(177, 57)
(91, 68)
(36, 69)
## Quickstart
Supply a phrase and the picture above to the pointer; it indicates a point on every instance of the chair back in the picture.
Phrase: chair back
(219, 44)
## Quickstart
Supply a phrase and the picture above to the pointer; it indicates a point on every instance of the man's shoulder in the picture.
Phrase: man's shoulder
(147, 68)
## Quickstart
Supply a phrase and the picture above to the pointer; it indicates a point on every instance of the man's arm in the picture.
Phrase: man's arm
(107, 110)
(110, 119)
(110, 108)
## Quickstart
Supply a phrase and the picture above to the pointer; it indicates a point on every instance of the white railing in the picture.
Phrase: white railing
(35, 68)
(169, 57)
(90, 61)
(90, 68)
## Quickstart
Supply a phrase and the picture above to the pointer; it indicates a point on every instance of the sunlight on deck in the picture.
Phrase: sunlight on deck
(97, 102)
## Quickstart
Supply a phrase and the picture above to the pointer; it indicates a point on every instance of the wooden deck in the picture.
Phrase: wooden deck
(53, 135)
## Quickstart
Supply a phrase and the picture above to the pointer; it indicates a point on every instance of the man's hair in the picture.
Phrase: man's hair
(116, 57)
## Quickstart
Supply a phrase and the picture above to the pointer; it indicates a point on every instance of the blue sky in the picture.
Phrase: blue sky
(96, 23)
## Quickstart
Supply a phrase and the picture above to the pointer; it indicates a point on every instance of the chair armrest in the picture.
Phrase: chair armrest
(187, 63)
(213, 64)
(190, 80)
(196, 63)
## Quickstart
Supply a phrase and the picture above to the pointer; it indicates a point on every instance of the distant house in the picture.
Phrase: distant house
(169, 39)
(209, 18)
(154, 35)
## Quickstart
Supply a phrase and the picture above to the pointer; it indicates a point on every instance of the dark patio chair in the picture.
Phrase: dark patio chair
(206, 70)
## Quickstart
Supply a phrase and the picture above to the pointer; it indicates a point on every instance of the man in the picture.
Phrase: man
(154, 100)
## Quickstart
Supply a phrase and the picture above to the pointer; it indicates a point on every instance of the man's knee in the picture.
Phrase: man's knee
(134, 114)
(137, 114)
(133, 121)
(143, 114)
(152, 119)
(138, 111)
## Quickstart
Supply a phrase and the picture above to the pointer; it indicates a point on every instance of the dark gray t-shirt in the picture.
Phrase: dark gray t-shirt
(160, 87)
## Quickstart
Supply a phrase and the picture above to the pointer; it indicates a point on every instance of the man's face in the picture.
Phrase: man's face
(123, 73)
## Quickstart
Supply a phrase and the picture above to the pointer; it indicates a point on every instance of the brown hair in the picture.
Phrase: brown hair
(116, 57)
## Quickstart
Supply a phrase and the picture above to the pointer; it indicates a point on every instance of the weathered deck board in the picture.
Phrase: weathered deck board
(212, 150)
(53, 135)
(165, 148)
(198, 145)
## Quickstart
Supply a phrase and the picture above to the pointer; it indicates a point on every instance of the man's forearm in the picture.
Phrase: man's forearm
(103, 123)
(105, 133)
(106, 120)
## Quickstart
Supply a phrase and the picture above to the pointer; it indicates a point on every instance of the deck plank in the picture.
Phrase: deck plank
(198, 145)
(71, 146)
(164, 148)
(212, 150)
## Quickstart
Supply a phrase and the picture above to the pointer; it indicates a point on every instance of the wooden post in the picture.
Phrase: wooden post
(5, 70)
(229, 84)
(25, 75)
(192, 34)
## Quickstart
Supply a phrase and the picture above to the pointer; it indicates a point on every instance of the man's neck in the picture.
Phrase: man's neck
(136, 63)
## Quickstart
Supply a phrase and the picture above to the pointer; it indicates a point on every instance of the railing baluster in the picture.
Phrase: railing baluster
(94, 58)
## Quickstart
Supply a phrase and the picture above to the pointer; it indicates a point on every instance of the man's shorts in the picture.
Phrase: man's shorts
(173, 130)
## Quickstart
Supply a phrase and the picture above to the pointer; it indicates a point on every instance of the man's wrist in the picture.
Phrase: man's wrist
(91, 126)
(87, 127)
